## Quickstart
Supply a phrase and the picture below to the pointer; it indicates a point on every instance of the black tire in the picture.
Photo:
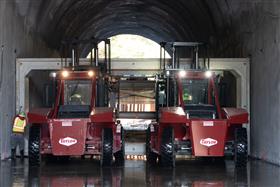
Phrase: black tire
(106, 147)
(240, 147)
(120, 155)
(150, 155)
(34, 146)
(167, 152)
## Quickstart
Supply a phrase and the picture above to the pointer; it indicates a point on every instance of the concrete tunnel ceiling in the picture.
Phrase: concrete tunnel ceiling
(159, 20)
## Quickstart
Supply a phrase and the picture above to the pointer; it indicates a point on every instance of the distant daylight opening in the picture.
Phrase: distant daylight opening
(131, 46)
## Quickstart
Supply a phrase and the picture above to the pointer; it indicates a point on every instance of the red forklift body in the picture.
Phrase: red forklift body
(75, 126)
(208, 137)
(197, 126)
(68, 137)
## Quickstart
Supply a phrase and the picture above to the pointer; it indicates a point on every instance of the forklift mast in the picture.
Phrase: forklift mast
(167, 84)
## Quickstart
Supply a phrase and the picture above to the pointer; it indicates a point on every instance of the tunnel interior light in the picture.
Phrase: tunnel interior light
(91, 73)
(182, 73)
(65, 73)
(208, 74)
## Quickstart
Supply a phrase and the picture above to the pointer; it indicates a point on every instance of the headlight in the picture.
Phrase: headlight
(90, 73)
(65, 73)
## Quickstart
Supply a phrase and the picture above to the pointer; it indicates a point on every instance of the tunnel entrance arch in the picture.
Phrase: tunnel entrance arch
(131, 46)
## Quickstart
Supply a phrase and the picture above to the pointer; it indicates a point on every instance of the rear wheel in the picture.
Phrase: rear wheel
(167, 152)
(240, 147)
(151, 156)
(34, 146)
(119, 156)
(107, 147)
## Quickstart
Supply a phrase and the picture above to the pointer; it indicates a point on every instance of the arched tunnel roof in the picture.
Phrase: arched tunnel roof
(159, 20)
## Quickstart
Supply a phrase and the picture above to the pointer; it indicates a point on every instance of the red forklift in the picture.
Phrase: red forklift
(80, 122)
(190, 120)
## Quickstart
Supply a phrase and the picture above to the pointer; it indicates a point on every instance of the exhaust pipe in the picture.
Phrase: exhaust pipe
(73, 59)
(196, 60)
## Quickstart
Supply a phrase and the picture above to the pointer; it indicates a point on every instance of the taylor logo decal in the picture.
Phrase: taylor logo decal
(208, 142)
(208, 123)
(67, 141)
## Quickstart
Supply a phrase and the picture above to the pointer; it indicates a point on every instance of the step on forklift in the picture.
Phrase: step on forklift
(190, 120)
(80, 123)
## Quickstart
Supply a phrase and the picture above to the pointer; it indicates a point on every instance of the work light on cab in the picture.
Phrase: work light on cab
(182, 73)
(91, 73)
(53, 74)
(65, 73)
(208, 74)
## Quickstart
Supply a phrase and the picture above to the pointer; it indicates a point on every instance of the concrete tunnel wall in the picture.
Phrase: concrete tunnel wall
(232, 28)
(18, 40)
(257, 28)
(265, 54)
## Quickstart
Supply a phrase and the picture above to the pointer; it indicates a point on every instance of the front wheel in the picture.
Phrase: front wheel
(167, 152)
(240, 147)
(150, 155)
(34, 145)
(119, 156)
(107, 147)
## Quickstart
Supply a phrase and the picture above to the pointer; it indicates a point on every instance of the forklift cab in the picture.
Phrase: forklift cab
(197, 95)
(194, 91)
(75, 94)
